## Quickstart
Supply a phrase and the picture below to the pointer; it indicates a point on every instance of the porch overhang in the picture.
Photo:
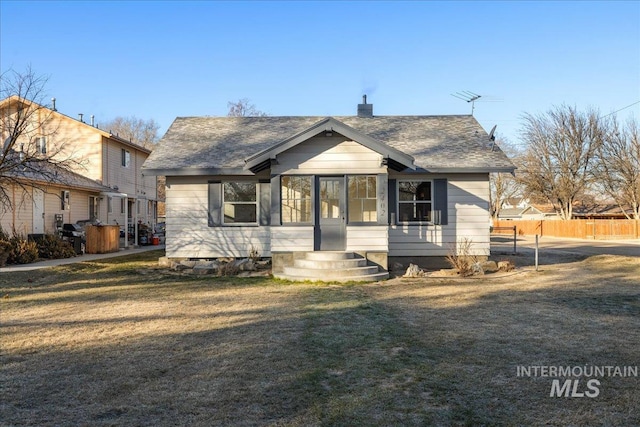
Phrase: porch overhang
(395, 159)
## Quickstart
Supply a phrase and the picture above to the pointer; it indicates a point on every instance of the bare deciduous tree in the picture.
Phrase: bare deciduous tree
(30, 155)
(141, 132)
(503, 185)
(562, 147)
(618, 169)
(244, 108)
(138, 131)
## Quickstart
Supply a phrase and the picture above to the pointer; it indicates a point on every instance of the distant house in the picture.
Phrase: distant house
(108, 185)
(375, 186)
(601, 211)
(522, 209)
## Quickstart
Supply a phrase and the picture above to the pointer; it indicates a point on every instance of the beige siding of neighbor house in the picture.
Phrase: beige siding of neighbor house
(188, 233)
(468, 217)
(21, 218)
(79, 141)
(22, 222)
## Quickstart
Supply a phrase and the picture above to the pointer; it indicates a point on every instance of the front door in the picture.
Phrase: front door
(38, 211)
(330, 215)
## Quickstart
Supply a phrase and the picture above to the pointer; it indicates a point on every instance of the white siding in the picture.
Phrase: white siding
(369, 238)
(468, 211)
(329, 155)
(291, 239)
(188, 234)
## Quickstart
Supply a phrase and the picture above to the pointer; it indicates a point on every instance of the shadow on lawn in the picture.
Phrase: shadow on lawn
(253, 353)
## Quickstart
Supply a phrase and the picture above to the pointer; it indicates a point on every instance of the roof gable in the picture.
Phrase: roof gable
(262, 159)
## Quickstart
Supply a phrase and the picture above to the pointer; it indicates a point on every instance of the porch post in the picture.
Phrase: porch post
(275, 200)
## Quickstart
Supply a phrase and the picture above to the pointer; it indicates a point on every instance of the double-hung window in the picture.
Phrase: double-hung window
(415, 201)
(296, 199)
(362, 199)
(240, 203)
(41, 145)
(126, 158)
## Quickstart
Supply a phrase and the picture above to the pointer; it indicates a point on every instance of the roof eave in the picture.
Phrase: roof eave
(465, 169)
(195, 171)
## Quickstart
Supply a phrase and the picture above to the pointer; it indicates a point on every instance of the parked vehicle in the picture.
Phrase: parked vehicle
(160, 227)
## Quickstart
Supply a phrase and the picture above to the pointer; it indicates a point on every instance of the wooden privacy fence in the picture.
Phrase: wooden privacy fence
(601, 229)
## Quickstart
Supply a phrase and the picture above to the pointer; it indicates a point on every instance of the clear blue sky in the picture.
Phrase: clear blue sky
(160, 60)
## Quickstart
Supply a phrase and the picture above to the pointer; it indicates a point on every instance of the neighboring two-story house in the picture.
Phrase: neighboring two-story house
(105, 183)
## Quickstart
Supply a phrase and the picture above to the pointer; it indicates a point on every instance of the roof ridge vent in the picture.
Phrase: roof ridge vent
(364, 109)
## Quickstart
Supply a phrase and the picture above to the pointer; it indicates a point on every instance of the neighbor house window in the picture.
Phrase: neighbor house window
(109, 204)
(93, 208)
(123, 205)
(296, 199)
(362, 199)
(126, 158)
(41, 145)
(414, 201)
(65, 199)
(240, 202)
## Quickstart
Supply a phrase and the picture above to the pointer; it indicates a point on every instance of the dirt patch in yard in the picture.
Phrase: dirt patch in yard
(121, 342)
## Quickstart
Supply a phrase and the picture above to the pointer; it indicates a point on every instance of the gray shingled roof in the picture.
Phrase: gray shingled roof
(49, 173)
(438, 143)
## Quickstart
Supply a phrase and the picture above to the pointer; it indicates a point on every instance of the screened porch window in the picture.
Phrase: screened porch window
(240, 203)
(414, 201)
(362, 199)
(296, 199)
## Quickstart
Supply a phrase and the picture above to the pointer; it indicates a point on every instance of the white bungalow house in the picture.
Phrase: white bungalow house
(362, 189)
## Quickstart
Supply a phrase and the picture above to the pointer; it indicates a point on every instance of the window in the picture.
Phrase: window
(240, 205)
(126, 158)
(41, 145)
(414, 201)
(123, 205)
(109, 204)
(138, 207)
(65, 198)
(362, 199)
(296, 199)
(93, 208)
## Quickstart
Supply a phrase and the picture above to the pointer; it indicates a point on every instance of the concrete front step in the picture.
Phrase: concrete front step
(332, 267)
(330, 264)
(368, 278)
(328, 255)
(330, 274)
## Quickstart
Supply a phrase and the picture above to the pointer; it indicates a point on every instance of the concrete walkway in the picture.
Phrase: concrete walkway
(81, 258)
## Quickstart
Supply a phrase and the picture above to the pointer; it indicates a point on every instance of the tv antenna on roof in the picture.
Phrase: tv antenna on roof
(468, 96)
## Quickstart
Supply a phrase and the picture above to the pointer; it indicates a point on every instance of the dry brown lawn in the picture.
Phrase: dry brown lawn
(121, 342)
